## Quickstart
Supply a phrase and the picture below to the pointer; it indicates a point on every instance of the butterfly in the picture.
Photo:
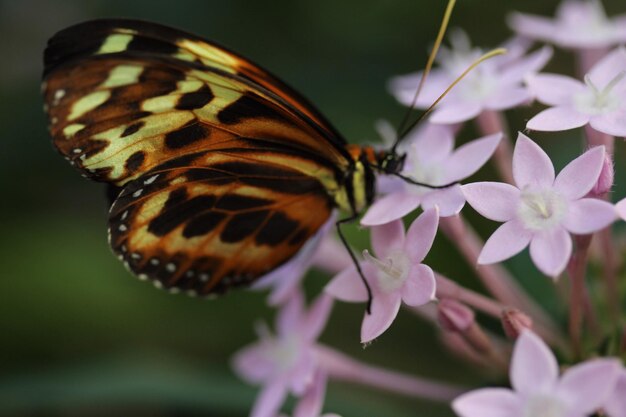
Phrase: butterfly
(219, 171)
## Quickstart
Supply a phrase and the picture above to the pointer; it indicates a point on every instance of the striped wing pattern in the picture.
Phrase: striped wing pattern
(225, 171)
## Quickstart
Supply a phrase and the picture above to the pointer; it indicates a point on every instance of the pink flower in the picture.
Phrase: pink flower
(616, 404)
(397, 274)
(541, 210)
(287, 362)
(578, 24)
(537, 389)
(496, 84)
(599, 101)
(431, 159)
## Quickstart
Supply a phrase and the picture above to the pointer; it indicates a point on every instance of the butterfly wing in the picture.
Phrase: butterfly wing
(124, 96)
(225, 171)
(208, 221)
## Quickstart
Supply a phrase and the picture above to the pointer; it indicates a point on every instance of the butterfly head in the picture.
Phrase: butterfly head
(390, 162)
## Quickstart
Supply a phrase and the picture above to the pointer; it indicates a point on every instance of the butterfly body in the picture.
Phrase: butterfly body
(225, 172)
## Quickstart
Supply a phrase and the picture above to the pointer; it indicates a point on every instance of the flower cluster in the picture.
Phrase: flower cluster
(555, 215)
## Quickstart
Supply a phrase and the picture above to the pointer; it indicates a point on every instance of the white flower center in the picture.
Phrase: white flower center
(392, 271)
(431, 175)
(284, 352)
(544, 406)
(595, 101)
(541, 210)
(478, 86)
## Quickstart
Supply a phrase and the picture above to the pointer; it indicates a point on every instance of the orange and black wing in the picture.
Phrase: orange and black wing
(202, 223)
(191, 132)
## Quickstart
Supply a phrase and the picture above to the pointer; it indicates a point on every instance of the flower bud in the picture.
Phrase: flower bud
(454, 316)
(605, 179)
(514, 322)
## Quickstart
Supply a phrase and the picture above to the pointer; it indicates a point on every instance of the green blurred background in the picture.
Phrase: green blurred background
(81, 337)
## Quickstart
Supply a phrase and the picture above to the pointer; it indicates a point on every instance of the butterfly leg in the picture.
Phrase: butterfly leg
(354, 259)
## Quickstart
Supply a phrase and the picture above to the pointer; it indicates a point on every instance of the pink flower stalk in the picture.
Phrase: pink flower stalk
(287, 362)
(616, 404)
(395, 275)
(600, 101)
(495, 85)
(541, 210)
(432, 159)
(578, 24)
(537, 389)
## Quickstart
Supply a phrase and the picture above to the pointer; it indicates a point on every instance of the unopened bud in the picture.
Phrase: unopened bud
(605, 179)
(454, 316)
(514, 322)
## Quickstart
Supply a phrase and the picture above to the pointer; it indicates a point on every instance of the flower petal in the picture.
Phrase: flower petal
(430, 143)
(269, 400)
(419, 239)
(387, 237)
(586, 386)
(494, 200)
(488, 402)
(531, 165)
(449, 200)
(317, 316)
(252, 363)
(517, 70)
(385, 307)
(556, 119)
(579, 176)
(347, 286)
(589, 215)
(310, 405)
(455, 111)
(554, 89)
(620, 207)
(389, 208)
(419, 287)
(551, 250)
(291, 314)
(468, 158)
(534, 368)
(508, 240)
(613, 123)
(508, 97)
(533, 27)
(616, 405)
(609, 67)
(403, 87)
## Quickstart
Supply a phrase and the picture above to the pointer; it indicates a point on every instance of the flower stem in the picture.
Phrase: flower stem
(489, 122)
(342, 367)
(576, 269)
(446, 288)
(498, 281)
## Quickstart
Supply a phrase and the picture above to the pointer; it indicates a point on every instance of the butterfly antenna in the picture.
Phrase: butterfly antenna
(488, 55)
(429, 64)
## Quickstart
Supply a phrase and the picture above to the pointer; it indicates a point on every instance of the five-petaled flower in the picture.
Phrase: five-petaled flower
(541, 210)
(578, 24)
(496, 84)
(395, 275)
(599, 101)
(537, 389)
(432, 159)
(287, 362)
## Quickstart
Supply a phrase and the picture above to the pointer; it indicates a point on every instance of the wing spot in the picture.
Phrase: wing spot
(124, 215)
(170, 267)
(204, 277)
(135, 255)
(158, 284)
(174, 290)
(151, 179)
(192, 293)
(58, 95)
(138, 193)
(123, 248)
(122, 228)
(190, 273)
(77, 150)
(142, 277)
(154, 261)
